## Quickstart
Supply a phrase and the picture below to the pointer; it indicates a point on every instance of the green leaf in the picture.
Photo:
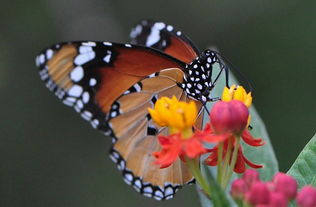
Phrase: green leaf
(304, 167)
(261, 155)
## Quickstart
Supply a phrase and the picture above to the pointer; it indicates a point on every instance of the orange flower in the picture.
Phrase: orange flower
(179, 117)
(174, 146)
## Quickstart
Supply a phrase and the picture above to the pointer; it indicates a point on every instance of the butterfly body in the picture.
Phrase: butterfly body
(112, 85)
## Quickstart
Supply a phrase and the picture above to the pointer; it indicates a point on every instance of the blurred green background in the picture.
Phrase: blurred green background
(50, 157)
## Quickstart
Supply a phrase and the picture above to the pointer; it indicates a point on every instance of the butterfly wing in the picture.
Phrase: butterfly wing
(136, 137)
(90, 75)
(111, 86)
(165, 38)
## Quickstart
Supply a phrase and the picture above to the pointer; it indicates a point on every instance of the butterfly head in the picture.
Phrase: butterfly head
(198, 80)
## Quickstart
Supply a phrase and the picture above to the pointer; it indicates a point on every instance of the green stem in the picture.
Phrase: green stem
(194, 168)
(226, 163)
(233, 162)
(219, 162)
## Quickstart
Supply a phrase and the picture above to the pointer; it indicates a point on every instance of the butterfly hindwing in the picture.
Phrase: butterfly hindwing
(136, 136)
(90, 76)
(165, 38)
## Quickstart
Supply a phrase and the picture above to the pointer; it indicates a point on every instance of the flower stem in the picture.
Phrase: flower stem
(227, 160)
(233, 162)
(219, 163)
(194, 168)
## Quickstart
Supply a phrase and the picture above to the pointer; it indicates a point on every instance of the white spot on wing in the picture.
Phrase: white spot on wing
(148, 189)
(83, 58)
(85, 97)
(169, 28)
(86, 115)
(85, 49)
(129, 177)
(168, 191)
(92, 82)
(138, 184)
(75, 91)
(41, 59)
(76, 74)
(154, 35)
(107, 58)
(49, 54)
(107, 43)
(89, 43)
(158, 193)
(138, 29)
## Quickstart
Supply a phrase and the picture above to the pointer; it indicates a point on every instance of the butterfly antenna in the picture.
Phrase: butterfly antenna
(206, 109)
(234, 69)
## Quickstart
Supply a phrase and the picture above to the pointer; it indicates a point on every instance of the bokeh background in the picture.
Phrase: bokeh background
(50, 157)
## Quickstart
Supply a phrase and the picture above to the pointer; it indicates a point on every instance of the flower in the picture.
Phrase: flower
(306, 197)
(278, 199)
(229, 121)
(229, 117)
(237, 93)
(258, 194)
(285, 184)
(174, 146)
(250, 176)
(238, 188)
(181, 142)
(177, 115)
(241, 160)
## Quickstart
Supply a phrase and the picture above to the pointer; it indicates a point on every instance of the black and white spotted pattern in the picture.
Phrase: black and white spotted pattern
(157, 35)
(84, 78)
(147, 189)
(198, 81)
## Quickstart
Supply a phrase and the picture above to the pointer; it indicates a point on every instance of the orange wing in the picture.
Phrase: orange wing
(90, 76)
(166, 38)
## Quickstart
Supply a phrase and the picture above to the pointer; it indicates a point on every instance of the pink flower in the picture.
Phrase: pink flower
(258, 194)
(278, 200)
(229, 117)
(285, 184)
(250, 176)
(238, 189)
(307, 197)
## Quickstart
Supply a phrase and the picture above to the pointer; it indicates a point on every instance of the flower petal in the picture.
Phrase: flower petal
(250, 140)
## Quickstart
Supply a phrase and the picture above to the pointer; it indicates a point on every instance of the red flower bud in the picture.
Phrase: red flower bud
(229, 116)
(285, 184)
(238, 188)
(250, 176)
(258, 194)
(306, 197)
(278, 200)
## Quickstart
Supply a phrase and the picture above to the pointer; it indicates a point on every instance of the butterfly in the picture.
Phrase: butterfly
(112, 85)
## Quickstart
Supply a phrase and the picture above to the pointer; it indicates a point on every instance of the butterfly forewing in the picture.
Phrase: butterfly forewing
(90, 76)
(165, 38)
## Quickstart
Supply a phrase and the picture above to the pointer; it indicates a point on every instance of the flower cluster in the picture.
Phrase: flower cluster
(229, 121)
(249, 190)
